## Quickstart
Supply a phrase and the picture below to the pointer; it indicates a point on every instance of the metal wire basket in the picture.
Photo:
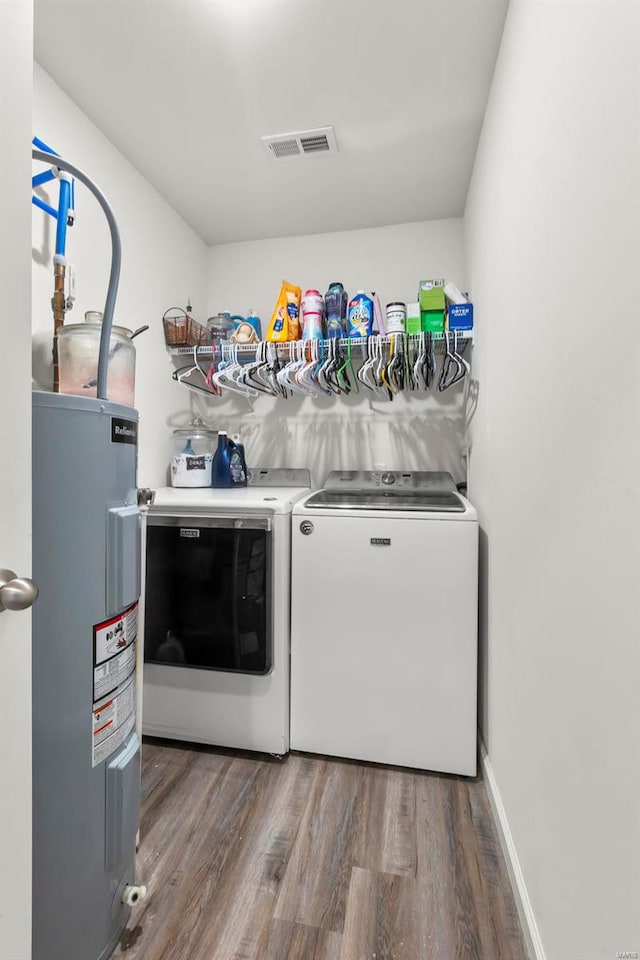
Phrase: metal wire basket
(181, 330)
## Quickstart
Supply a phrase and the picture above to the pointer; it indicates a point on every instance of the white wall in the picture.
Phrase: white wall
(163, 260)
(414, 431)
(16, 42)
(551, 232)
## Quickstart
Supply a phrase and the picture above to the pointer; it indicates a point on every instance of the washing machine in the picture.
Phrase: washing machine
(384, 621)
(216, 612)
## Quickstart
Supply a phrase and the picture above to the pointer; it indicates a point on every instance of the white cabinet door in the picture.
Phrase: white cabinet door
(16, 67)
(384, 641)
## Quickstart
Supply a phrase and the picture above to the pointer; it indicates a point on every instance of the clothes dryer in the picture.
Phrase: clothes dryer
(217, 612)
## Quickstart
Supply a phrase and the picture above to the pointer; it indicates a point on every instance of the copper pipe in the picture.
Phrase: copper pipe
(58, 307)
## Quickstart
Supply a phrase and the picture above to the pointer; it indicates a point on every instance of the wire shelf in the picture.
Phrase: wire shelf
(464, 340)
(386, 365)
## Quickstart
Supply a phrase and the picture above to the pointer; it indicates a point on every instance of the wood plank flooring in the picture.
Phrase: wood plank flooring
(252, 858)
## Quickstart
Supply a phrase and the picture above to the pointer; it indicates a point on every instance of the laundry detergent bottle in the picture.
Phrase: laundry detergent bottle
(360, 315)
(312, 315)
(221, 466)
(237, 463)
(335, 306)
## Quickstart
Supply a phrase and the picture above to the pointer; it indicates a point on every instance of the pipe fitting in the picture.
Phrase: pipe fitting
(133, 894)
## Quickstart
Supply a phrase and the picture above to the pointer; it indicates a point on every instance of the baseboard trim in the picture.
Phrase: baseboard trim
(535, 950)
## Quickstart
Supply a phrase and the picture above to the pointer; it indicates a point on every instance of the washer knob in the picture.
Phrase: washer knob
(388, 478)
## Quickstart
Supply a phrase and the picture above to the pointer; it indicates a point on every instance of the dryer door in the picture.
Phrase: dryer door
(208, 593)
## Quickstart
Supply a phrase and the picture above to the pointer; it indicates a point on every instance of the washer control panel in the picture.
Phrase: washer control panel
(440, 481)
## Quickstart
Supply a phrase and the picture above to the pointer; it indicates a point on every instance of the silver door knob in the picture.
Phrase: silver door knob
(16, 593)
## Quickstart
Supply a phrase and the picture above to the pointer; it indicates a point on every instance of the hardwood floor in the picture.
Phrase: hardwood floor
(310, 858)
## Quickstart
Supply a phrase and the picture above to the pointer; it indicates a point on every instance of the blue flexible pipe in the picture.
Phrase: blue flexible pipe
(41, 178)
(41, 145)
(44, 206)
(63, 213)
(116, 257)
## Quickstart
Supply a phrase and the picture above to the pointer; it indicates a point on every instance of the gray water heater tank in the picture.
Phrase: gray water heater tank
(86, 755)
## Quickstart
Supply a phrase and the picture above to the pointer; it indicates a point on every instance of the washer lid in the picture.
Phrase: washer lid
(425, 501)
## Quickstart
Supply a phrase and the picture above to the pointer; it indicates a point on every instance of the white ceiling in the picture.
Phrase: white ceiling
(186, 88)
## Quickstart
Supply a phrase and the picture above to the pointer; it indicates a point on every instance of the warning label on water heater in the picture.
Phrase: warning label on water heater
(114, 651)
(113, 720)
(114, 698)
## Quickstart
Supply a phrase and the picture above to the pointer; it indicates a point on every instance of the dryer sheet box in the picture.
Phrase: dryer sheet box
(460, 316)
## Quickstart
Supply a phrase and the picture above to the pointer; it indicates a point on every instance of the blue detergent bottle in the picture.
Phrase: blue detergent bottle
(360, 315)
(221, 466)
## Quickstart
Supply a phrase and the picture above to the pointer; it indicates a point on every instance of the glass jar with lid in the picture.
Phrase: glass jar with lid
(78, 350)
(192, 450)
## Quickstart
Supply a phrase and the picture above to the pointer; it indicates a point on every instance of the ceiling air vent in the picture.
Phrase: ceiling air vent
(301, 143)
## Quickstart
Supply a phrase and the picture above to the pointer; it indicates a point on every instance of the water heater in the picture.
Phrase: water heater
(86, 754)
